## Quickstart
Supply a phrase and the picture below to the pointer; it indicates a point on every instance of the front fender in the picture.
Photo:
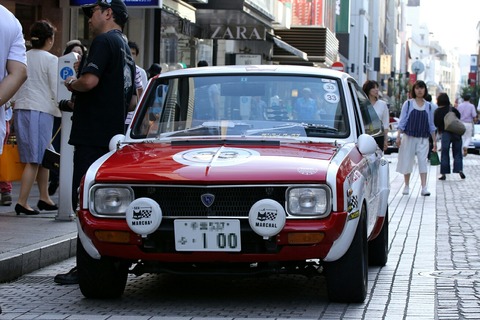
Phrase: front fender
(354, 187)
(87, 243)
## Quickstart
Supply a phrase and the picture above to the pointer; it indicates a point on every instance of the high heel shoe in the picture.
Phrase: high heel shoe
(42, 205)
(21, 209)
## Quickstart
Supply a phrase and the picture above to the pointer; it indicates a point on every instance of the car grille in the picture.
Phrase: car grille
(229, 201)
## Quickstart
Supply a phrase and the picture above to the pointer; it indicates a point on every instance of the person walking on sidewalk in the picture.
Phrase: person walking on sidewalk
(13, 63)
(467, 114)
(371, 89)
(34, 110)
(416, 125)
(104, 94)
(448, 138)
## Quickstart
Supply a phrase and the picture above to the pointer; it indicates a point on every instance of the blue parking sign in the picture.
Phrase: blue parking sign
(66, 72)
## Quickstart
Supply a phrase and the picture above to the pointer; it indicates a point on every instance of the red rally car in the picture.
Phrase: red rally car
(240, 170)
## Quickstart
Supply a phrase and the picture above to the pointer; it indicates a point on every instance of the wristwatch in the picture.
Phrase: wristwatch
(69, 83)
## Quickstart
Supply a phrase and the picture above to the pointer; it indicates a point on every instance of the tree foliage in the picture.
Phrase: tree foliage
(474, 92)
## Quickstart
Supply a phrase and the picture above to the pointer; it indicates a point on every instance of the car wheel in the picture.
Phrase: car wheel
(378, 247)
(347, 278)
(100, 279)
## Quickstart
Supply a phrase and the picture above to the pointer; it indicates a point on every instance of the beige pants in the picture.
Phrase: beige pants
(467, 136)
(410, 147)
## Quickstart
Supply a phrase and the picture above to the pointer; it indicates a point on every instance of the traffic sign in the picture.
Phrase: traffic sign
(337, 65)
(418, 67)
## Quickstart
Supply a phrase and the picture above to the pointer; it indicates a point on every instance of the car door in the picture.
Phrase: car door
(368, 122)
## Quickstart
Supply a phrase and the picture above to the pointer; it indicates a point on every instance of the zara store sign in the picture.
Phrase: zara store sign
(237, 32)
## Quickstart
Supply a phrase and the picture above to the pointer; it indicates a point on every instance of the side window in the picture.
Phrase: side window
(368, 116)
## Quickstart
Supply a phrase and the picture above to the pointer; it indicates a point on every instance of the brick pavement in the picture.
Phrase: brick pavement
(457, 269)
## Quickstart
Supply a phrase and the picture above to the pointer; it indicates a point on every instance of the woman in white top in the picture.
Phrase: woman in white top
(370, 87)
(35, 107)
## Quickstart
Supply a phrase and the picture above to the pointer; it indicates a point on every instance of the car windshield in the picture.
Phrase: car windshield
(242, 106)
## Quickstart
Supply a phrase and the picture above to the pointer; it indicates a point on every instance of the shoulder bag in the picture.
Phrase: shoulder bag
(51, 158)
(453, 124)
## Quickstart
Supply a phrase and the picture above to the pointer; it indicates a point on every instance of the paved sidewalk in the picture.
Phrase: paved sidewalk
(28, 243)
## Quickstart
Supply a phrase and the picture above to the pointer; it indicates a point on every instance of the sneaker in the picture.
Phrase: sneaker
(425, 192)
(6, 199)
(67, 278)
(406, 190)
(462, 175)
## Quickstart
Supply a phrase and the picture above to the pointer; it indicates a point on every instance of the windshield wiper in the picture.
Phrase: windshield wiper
(316, 128)
(207, 128)
(283, 127)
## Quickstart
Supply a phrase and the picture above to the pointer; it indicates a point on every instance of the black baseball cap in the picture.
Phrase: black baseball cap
(117, 6)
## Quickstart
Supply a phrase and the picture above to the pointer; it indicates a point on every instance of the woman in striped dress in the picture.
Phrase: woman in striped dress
(414, 128)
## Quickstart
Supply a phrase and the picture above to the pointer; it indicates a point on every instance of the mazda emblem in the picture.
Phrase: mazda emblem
(207, 199)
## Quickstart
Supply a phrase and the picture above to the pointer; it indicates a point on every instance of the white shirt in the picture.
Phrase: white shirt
(12, 47)
(381, 109)
(39, 92)
(143, 73)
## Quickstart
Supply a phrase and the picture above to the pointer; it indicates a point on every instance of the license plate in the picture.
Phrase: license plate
(207, 235)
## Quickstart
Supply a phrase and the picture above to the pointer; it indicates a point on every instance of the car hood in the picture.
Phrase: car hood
(143, 163)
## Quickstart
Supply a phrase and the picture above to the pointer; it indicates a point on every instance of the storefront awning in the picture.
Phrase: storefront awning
(285, 46)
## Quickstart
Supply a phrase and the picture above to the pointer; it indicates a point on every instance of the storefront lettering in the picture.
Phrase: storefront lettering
(238, 32)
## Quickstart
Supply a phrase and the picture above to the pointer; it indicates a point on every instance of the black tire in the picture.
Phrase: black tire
(100, 279)
(347, 278)
(378, 247)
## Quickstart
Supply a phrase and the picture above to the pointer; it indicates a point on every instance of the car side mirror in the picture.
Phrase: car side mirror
(116, 141)
(366, 144)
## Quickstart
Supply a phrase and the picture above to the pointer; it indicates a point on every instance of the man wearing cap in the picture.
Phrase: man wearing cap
(104, 94)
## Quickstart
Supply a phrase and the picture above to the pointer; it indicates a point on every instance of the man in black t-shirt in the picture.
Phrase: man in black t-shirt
(104, 94)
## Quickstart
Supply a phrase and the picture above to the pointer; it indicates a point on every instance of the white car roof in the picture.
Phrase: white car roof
(234, 69)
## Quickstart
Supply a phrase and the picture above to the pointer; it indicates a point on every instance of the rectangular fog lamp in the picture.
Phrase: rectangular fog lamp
(113, 236)
(305, 237)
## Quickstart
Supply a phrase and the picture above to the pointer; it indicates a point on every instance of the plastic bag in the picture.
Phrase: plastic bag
(434, 159)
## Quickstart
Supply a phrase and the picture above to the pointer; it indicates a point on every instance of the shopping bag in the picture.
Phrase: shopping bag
(11, 169)
(51, 160)
(434, 160)
(453, 124)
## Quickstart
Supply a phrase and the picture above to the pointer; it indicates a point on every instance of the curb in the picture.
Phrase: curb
(16, 263)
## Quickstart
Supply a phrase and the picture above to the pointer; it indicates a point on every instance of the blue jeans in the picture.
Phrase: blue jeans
(456, 142)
